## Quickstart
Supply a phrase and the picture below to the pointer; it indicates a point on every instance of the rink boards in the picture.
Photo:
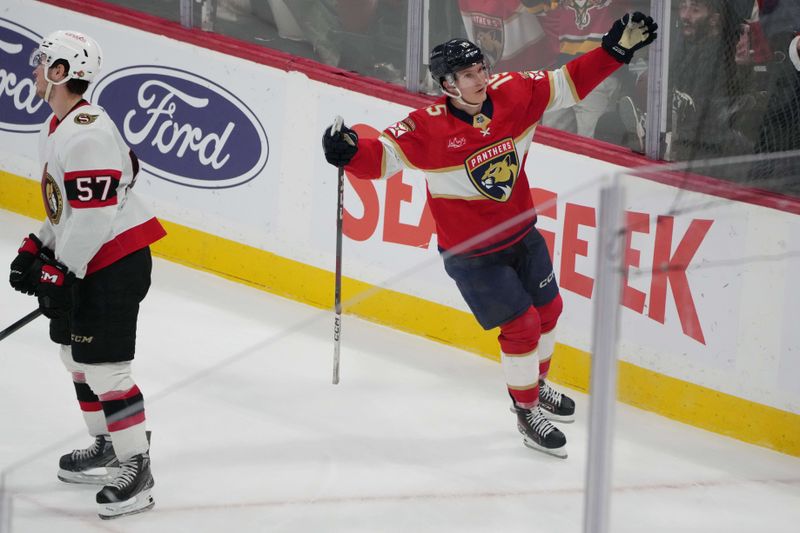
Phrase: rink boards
(228, 135)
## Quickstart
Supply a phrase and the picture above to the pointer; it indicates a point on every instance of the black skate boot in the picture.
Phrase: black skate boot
(555, 405)
(129, 492)
(539, 434)
(95, 465)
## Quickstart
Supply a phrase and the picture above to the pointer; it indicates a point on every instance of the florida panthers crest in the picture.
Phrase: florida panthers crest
(494, 169)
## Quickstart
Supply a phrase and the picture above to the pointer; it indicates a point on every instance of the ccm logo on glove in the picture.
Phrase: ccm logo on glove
(51, 274)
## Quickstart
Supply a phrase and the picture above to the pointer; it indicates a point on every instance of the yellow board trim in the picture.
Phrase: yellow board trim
(687, 402)
(21, 195)
(680, 400)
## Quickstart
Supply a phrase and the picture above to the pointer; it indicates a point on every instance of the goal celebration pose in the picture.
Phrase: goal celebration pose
(472, 145)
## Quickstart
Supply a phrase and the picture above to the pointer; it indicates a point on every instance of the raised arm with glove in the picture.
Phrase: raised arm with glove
(628, 34)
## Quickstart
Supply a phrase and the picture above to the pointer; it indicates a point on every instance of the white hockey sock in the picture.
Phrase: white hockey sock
(522, 377)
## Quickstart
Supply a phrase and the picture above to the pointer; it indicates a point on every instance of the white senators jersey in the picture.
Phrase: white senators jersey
(475, 165)
(93, 216)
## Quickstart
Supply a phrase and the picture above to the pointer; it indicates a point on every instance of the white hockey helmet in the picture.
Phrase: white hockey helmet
(81, 52)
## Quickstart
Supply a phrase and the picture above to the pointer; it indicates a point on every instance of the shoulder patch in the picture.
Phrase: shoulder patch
(401, 128)
(85, 118)
(533, 74)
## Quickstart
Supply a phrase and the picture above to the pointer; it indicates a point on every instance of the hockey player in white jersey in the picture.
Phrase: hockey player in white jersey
(90, 268)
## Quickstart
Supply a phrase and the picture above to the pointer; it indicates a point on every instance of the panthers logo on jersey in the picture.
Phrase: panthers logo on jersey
(493, 170)
(51, 194)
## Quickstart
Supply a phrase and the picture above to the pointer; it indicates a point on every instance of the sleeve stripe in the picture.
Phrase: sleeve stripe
(571, 83)
(86, 189)
(75, 174)
(90, 204)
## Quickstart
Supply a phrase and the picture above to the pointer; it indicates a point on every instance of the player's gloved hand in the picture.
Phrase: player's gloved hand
(628, 34)
(340, 144)
(25, 268)
(55, 290)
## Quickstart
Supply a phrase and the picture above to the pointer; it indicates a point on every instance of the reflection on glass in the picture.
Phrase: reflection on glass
(166, 9)
(733, 65)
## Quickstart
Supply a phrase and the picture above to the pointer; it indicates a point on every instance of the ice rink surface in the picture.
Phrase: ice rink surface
(249, 435)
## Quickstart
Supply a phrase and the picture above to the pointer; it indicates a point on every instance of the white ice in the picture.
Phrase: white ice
(249, 434)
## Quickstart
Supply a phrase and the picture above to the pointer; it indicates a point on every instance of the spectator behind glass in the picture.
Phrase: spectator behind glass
(780, 129)
(579, 26)
(706, 87)
(316, 19)
(372, 38)
(510, 33)
(366, 36)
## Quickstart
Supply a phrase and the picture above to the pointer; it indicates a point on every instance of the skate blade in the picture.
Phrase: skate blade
(561, 453)
(564, 419)
(138, 504)
(94, 476)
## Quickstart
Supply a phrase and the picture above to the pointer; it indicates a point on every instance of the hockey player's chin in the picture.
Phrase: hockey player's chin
(476, 99)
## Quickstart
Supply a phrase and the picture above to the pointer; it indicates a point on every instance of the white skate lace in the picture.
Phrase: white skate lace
(126, 475)
(549, 394)
(539, 424)
(85, 453)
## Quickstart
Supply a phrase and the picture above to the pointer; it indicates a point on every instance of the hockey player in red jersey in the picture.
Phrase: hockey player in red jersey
(90, 268)
(472, 144)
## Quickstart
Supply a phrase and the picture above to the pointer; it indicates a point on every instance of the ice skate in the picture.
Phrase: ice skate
(539, 434)
(129, 492)
(95, 465)
(556, 406)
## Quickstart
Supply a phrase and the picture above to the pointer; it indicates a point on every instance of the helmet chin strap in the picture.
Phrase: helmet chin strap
(47, 91)
(50, 84)
(460, 99)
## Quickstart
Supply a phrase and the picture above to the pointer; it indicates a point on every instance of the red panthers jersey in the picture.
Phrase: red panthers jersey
(474, 165)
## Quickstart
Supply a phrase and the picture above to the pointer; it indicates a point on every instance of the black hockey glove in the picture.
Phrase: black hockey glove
(340, 144)
(26, 267)
(628, 34)
(55, 290)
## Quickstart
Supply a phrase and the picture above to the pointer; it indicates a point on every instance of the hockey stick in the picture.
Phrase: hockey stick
(30, 317)
(337, 293)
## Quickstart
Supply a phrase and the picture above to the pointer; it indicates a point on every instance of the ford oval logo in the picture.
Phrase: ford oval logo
(184, 128)
(20, 109)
